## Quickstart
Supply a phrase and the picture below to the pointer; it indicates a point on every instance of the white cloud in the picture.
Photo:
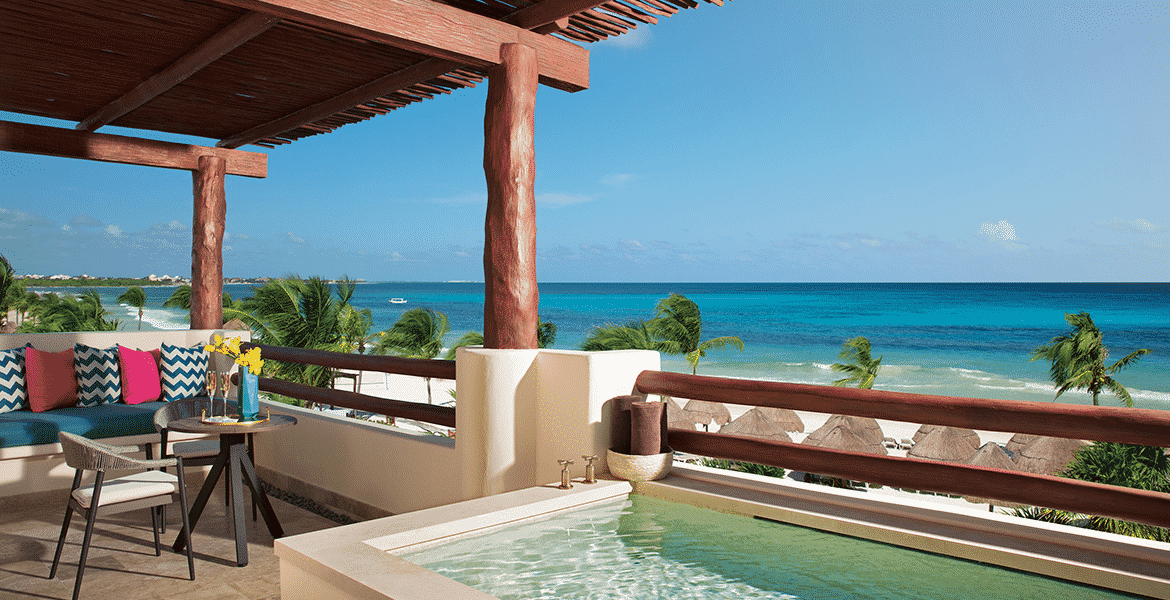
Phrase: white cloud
(1002, 230)
(632, 245)
(176, 225)
(562, 199)
(872, 243)
(616, 178)
(844, 245)
(1136, 225)
(113, 231)
(635, 38)
(294, 239)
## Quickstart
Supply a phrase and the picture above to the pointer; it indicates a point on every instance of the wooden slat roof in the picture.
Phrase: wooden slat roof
(259, 71)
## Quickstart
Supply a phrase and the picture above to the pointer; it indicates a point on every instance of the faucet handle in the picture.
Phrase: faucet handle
(590, 476)
(565, 463)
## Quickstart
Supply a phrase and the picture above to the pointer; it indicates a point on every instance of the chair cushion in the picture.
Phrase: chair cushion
(99, 380)
(195, 448)
(184, 372)
(27, 428)
(13, 393)
(140, 379)
(51, 380)
(129, 487)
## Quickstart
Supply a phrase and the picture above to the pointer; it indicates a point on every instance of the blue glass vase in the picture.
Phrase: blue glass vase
(249, 395)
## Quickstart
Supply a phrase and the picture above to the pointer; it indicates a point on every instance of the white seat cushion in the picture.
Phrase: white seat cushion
(195, 448)
(130, 487)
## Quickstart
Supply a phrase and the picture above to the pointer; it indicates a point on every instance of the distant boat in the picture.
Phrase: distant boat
(398, 301)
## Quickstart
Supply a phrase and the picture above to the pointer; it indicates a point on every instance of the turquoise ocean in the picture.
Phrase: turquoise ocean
(955, 339)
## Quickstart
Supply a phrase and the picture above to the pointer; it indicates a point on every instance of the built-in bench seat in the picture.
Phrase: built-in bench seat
(31, 459)
(27, 428)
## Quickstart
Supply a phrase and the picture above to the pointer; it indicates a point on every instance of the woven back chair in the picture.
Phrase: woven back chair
(151, 489)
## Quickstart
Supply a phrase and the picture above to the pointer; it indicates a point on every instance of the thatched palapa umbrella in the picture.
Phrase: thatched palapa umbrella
(1018, 442)
(1047, 455)
(846, 432)
(946, 444)
(787, 419)
(676, 417)
(923, 432)
(704, 412)
(756, 423)
(992, 456)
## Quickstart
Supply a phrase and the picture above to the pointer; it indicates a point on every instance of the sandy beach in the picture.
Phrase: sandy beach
(413, 389)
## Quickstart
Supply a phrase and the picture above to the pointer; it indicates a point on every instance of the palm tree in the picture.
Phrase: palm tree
(680, 327)
(1078, 360)
(634, 335)
(1126, 465)
(180, 298)
(136, 297)
(84, 313)
(298, 313)
(7, 277)
(355, 328)
(861, 367)
(546, 335)
(418, 333)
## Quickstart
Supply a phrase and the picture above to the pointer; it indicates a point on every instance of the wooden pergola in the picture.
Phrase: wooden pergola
(270, 72)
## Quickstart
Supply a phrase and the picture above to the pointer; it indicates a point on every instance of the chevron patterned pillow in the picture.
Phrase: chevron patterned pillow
(184, 372)
(13, 392)
(98, 379)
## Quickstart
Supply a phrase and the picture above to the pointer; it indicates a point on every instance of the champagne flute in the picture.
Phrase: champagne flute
(225, 382)
(211, 383)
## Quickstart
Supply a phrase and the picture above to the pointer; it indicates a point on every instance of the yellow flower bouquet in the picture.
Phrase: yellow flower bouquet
(250, 365)
(249, 359)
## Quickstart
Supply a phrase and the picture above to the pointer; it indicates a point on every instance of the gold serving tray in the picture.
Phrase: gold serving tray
(236, 422)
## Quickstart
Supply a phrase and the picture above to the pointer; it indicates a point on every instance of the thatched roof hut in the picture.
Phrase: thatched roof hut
(923, 432)
(1047, 455)
(947, 444)
(756, 423)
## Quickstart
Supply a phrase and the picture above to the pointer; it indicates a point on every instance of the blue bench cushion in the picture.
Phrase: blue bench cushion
(26, 428)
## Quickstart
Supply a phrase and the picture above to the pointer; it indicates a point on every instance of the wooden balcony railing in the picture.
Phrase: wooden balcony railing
(417, 367)
(1097, 423)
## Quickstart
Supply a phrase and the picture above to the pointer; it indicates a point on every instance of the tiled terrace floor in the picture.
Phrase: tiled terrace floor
(122, 564)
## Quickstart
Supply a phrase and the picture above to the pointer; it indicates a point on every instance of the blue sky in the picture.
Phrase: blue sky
(758, 141)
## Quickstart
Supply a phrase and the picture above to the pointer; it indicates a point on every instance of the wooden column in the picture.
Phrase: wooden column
(511, 297)
(207, 228)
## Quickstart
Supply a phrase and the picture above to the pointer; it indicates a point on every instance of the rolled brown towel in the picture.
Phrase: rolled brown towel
(619, 431)
(646, 428)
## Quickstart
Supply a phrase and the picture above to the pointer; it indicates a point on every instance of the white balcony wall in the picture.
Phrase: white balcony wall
(388, 469)
(522, 410)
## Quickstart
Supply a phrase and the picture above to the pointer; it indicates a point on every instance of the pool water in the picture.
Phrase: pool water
(643, 548)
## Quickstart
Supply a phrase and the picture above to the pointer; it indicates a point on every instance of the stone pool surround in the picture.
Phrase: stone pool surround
(360, 561)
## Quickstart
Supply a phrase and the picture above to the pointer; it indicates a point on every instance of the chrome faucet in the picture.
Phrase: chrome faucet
(590, 474)
(566, 482)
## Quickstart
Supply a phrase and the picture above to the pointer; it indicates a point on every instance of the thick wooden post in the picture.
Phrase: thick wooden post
(511, 297)
(207, 228)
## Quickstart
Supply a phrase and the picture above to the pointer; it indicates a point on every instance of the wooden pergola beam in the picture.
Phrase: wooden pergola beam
(66, 143)
(435, 30)
(399, 80)
(550, 11)
(224, 41)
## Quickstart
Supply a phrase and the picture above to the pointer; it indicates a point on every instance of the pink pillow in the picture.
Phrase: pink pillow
(52, 382)
(140, 380)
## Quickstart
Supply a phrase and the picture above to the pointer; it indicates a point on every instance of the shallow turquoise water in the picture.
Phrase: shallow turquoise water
(645, 548)
(954, 339)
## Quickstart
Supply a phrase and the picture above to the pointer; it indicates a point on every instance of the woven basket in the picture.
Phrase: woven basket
(639, 468)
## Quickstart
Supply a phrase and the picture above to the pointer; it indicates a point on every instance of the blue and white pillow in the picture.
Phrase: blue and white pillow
(184, 372)
(13, 387)
(98, 379)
